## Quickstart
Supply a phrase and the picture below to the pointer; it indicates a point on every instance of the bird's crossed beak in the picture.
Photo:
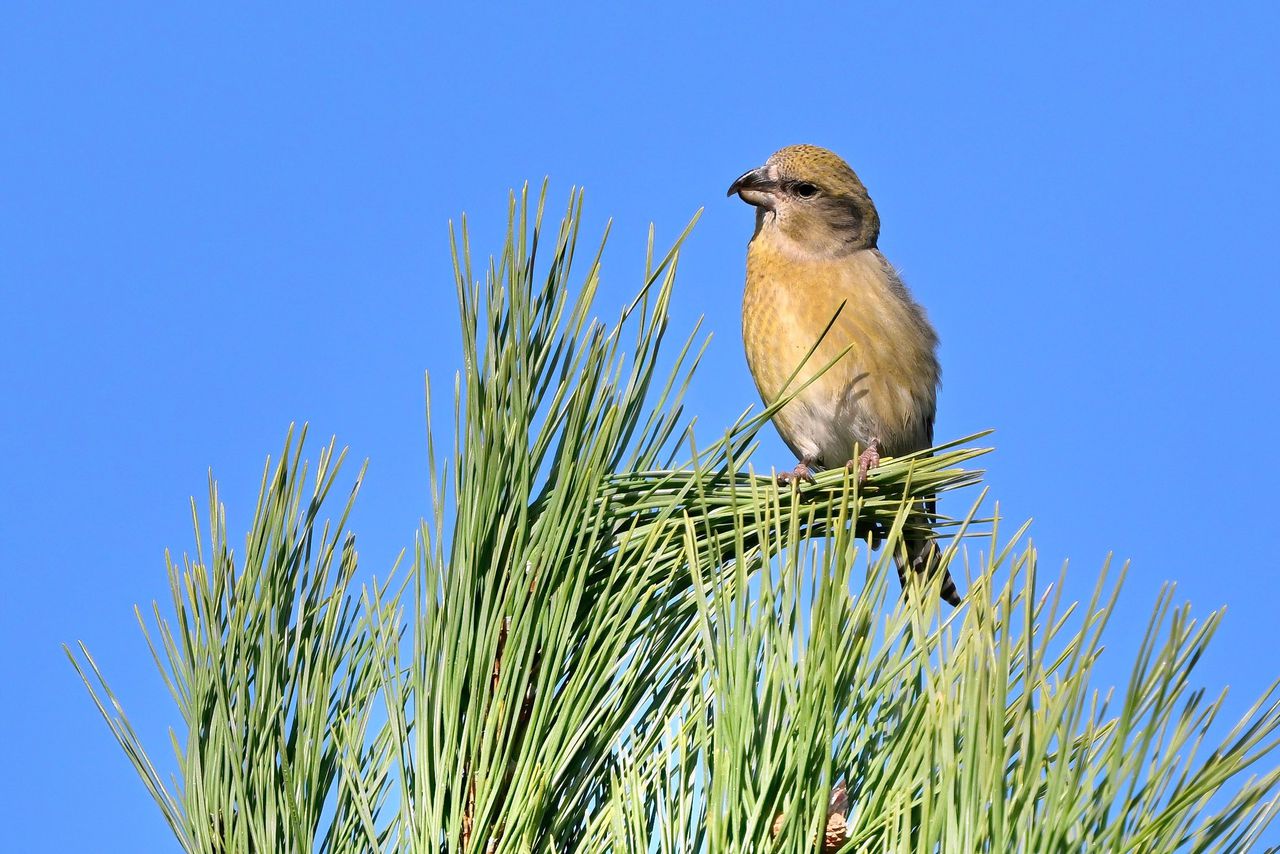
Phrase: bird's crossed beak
(755, 187)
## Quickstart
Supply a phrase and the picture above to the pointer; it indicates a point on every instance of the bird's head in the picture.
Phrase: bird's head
(813, 198)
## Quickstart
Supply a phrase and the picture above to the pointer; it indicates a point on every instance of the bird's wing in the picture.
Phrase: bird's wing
(892, 364)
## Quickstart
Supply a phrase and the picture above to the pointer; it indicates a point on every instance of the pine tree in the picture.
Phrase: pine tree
(610, 638)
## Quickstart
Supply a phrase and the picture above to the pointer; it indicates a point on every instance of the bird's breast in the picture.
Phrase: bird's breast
(885, 385)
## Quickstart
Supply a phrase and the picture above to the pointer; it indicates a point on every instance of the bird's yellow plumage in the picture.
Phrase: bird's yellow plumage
(813, 265)
(883, 388)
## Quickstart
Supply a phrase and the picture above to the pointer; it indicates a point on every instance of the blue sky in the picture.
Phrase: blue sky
(219, 219)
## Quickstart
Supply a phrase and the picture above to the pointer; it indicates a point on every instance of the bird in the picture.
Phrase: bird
(819, 292)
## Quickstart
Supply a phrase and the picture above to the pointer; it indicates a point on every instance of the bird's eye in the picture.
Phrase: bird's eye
(805, 190)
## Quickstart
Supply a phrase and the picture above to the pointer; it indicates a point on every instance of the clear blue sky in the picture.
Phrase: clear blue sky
(217, 219)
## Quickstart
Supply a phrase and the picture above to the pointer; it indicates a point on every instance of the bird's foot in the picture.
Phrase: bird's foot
(867, 460)
(802, 471)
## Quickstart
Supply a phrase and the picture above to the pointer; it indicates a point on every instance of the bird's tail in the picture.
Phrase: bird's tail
(925, 558)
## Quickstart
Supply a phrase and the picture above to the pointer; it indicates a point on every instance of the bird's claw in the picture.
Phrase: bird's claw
(867, 460)
(797, 474)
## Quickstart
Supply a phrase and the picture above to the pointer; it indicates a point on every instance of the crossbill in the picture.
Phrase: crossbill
(817, 287)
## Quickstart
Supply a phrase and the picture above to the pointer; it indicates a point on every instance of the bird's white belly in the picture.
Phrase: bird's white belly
(826, 428)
